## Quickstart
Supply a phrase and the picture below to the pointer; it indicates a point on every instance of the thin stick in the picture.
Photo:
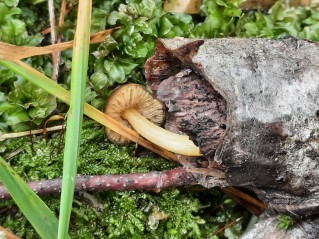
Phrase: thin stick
(63, 12)
(244, 196)
(55, 55)
(151, 181)
(11, 52)
(30, 132)
(227, 226)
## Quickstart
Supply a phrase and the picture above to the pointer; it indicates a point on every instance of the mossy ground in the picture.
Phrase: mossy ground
(173, 213)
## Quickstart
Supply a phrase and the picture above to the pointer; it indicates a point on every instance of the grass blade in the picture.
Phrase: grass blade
(34, 209)
(75, 113)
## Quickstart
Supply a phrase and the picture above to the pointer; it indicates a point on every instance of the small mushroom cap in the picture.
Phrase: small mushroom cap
(132, 96)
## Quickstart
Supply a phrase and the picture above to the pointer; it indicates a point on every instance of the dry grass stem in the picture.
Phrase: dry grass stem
(30, 132)
(12, 53)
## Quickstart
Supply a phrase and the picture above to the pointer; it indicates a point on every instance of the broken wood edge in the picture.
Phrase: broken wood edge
(289, 208)
(246, 200)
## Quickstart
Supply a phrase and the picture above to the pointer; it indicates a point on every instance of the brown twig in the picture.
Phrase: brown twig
(244, 196)
(63, 12)
(250, 203)
(152, 181)
(55, 55)
(30, 132)
(227, 226)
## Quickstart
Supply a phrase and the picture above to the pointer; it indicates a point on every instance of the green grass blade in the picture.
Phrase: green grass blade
(34, 209)
(75, 113)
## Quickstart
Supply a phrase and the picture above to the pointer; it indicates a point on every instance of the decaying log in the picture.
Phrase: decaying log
(261, 126)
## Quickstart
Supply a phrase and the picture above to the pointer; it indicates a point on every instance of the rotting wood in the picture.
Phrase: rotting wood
(271, 141)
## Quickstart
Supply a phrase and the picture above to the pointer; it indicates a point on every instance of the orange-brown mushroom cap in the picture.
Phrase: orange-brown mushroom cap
(132, 96)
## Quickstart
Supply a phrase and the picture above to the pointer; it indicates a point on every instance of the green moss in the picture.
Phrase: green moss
(169, 214)
(285, 222)
(42, 160)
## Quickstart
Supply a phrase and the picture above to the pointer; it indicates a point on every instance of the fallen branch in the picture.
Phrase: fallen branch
(151, 181)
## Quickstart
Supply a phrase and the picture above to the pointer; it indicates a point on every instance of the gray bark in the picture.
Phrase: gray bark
(267, 228)
(271, 143)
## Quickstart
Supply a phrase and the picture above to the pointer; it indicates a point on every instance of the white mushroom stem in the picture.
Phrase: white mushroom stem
(180, 144)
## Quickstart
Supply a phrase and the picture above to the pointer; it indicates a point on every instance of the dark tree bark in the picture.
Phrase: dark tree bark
(268, 135)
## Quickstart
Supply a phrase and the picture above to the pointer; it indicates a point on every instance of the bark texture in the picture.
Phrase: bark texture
(267, 228)
(271, 140)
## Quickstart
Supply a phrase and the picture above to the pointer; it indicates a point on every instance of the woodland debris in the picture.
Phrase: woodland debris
(270, 142)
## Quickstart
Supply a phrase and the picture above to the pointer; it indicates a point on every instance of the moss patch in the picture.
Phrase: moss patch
(169, 214)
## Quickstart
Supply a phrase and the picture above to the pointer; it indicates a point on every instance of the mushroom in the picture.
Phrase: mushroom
(135, 107)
